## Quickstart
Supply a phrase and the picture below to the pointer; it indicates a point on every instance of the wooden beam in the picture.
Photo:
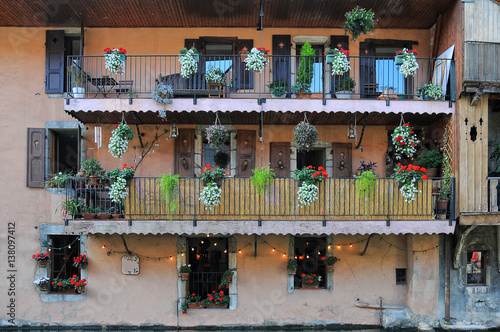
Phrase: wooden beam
(480, 219)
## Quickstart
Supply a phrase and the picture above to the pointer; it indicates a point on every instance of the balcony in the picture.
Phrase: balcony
(481, 64)
(338, 204)
(487, 211)
(377, 78)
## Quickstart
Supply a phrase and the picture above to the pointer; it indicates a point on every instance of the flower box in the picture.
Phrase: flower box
(243, 56)
(398, 59)
(310, 286)
(217, 306)
(42, 263)
(329, 58)
(196, 306)
(330, 268)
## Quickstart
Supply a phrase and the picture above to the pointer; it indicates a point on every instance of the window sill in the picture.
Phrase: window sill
(60, 297)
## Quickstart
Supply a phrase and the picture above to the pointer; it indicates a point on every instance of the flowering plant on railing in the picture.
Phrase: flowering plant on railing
(118, 143)
(162, 95)
(405, 141)
(114, 59)
(256, 61)
(310, 279)
(410, 65)
(308, 191)
(80, 261)
(408, 176)
(40, 256)
(340, 63)
(215, 75)
(188, 63)
(208, 174)
(210, 195)
(118, 190)
(218, 298)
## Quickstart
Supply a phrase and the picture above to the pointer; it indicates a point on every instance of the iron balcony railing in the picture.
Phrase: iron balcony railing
(338, 199)
(374, 76)
(481, 62)
(203, 283)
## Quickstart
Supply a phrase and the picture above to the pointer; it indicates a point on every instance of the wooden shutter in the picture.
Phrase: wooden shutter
(338, 42)
(367, 67)
(280, 159)
(35, 172)
(342, 160)
(245, 155)
(281, 64)
(243, 79)
(184, 153)
(54, 61)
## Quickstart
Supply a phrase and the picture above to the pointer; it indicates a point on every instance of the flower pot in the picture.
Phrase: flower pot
(218, 183)
(44, 287)
(42, 263)
(330, 268)
(398, 59)
(243, 56)
(280, 96)
(343, 94)
(116, 216)
(196, 57)
(93, 180)
(104, 216)
(216, 306)
(431, 172)
(196, 305)
(442, 205)
(329, 58)
(78, 92)
(303, 95)
(185, 276)
(292, 271)
(83, 265)
(88, 215)
(80, 290)
(310, 286)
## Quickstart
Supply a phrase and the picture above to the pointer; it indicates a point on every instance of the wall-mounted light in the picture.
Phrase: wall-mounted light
(351, 132)
(174, 132)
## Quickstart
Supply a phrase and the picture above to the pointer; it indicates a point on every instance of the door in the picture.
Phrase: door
(35, 172)
(280, 159)
(245, 155)
(184, 153)
(54, 61)
(342, 160)
(281, 59)
(338, 42)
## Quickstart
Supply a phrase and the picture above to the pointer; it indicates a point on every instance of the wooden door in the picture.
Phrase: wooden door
(280, 159)
(35, 172)
(54, 61)
(342, 160)
(281, 59)
(245, 155)
(338, 42)
(184, 153)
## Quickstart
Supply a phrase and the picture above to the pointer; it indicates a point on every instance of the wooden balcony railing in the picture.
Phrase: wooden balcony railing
(375, 77)
(481, 62)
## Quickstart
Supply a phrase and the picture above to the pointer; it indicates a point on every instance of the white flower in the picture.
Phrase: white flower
(117, 146)
(408, 191)
(118, 190)
(405, 141)
(340, 63)
(210, 195)
(256, 61)
(113, 62)
(307, 194)
(188, 64)
(41, 280)
(410, 65)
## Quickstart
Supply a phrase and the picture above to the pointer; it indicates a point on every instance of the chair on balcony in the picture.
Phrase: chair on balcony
(186, 86)
(123, 87)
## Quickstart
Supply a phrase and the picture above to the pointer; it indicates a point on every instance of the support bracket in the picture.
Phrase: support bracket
(125, 244)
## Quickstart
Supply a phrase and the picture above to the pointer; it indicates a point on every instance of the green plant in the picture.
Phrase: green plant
(365, 184)
(278, 88)
(291, 264)
(59, 284)
(188, 63)
(330, 260)
(305, 71)
(256, 60)
(262, 178)
(345, 84)
(40, 256)
(445, 191)
(91, 167)
(169, 187)
(340, 63)
(310, 175)
(405, 141)
(217, 135)
(366, 167)
(310, 279)
(58, 180)
(41, 281)
(218, 298)
(495, 156)
(358, 21)
(118, 143)
(305, 135)
(227, 278)
(215, 75)
(70, 206)
(298, 88)
(211, 175)
(78, 76)
(430, 91)
(408, 176)
(185, 50)
(162, 95)
(429, 159)
(185, 268)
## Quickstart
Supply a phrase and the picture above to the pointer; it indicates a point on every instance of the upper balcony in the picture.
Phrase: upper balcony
(481, 66)
(377, 81)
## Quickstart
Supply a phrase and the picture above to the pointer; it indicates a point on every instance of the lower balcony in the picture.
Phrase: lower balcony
(339, 206)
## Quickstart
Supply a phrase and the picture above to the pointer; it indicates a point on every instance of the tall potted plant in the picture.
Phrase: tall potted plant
(78, 79)
(306, 66)
(344, 88)
(430, 160)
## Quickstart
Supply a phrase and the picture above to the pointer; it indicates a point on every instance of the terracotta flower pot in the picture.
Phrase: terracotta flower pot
(104, 216)
(431, 172)
(42, 263)
(88, 215)
(243, 56)
(185, 276)
(292, 271)
(330, 268)
(196, 305)
(44, 287)
(310, 285)
(80, 290)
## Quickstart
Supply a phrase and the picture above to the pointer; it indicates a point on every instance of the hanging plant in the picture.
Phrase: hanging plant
(217, 134)
(210, 195)
(256, 60)
(340, 63)
(409, 64)
(358, 21)
(162, 95)
(114, 59)
(189, 65)
(169, 188)
(310, 177)
(405, 141)
(305, 135)
(118, 143)
(118, 189)
(408, 176)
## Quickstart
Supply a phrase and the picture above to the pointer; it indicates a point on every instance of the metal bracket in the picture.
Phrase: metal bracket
(195, 100)
(259, 223)
(261, 101)
(138, 130)
(67, 101)
(195, 223)
(387, 102)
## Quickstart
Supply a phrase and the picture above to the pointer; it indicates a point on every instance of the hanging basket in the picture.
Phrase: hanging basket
(217, 134)
(305, 135)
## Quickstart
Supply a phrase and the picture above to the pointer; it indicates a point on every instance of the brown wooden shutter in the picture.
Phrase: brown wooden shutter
(245, 155)
(342, 160)
(35, 172)
(280, 159)
(281, 64)
(54, 61)
(184, 153)
(243, 79)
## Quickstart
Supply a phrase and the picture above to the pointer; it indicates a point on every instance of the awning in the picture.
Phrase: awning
(247, 111)
(249, 227)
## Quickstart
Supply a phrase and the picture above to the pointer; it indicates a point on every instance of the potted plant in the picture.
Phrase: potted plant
(78, 284)
(210, 196)
(217, 300)
(256, 60)
(41, 258)
(118, 143)
(162, 95)
(310, 280)
(291, 266)
(278, 89)
(407, 61)
(115, 59)
(305, 135)
(308, 178)
(227, 278)
(306, 66)
(215, 75)
(42, 283)
(92, 168)
(340, 63)
(89, 212)
(189, 65)
(405, 141)
(184, 272)
(430, 91)
(61, 285)
(71, 206)
(262, 178)
(58, 180)
(169, 187)
(78, 80)
(211, 175)
(445, 190)
(217, 135)
(244, 54)
(103, 213)
(80, 261)
(196, 54)
(193, 301)
(430, 160)
(300, 89)
(358, 21)
(329, 262)
(408, 176)
(365, 185)
(345, 87)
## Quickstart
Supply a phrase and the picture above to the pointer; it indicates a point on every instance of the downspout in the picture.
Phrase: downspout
(447, 258)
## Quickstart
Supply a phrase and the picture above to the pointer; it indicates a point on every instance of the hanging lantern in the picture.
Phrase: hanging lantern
(174, 132)
(351, 132)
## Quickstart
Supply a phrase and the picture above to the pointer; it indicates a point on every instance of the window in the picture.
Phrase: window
(63, 150)
(63, 249)
(208, 257)
(476, 268)
(214, 158)
(314, 157)
(309, 252)
(400, 276)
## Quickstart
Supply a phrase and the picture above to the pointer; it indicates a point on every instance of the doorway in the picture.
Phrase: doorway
(314, 157)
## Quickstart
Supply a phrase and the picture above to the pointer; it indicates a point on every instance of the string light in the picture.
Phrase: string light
(284, 255)
(329, 247)
(225, 251)
(192, 249)
(215, 244)
(103, 246)
(208, 235)
(239, 251)
(338, 246)
(274, 249)
(350, 245)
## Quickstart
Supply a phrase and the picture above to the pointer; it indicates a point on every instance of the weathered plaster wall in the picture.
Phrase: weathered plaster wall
(479, 304)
